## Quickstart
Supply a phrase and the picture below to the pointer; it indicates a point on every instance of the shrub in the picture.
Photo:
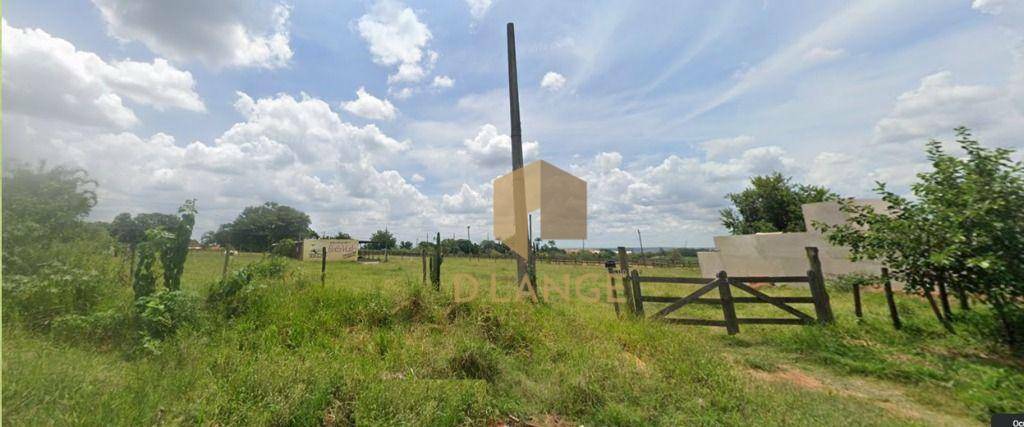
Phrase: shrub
(234, 295)
(103, 327)
(57, 290)
(284, 248)
(160, 315)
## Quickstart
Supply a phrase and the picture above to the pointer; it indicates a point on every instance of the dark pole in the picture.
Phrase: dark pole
(518, 180)
(641, 239)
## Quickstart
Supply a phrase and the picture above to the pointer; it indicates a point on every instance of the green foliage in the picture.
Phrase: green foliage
(257, 228)
(381, 239)
(965, 229)
(144, 279)
(107, 328)
(236, 294)
(170, 247)
(160, 315)
(845, 282)
(175, 249)
(42, 208)
(772, 203)
(284, 248)
(58, 289)
(405, 245)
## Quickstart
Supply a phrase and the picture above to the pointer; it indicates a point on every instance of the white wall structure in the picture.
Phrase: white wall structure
(337, 249)
(783, 254)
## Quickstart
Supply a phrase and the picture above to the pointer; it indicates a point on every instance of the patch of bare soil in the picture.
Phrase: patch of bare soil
(888, 396)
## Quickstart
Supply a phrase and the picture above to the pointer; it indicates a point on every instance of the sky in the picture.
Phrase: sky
(386, 114)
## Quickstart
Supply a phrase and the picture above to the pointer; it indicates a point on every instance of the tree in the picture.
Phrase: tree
(341, 236)
(405, 245)
(772, 203)
(42, 208)
(382, 239)
(257, 228)
(965, 229)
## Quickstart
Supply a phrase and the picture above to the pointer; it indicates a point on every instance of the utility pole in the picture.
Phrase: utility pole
(521, 244)
(641, 239)
(467, 234)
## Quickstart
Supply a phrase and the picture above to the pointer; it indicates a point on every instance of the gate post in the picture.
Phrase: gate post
(638, 299)
(627, 287)
(816, 281)
(732, 325)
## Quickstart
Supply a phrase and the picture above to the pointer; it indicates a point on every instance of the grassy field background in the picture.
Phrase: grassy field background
(375, 347)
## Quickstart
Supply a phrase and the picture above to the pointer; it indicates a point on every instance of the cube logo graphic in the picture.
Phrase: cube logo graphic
(560, 196)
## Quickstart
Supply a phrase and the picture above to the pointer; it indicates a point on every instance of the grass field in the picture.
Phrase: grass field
(374, 347)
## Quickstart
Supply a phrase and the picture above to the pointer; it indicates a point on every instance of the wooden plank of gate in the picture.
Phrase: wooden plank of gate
(686, 300)
(768, 299)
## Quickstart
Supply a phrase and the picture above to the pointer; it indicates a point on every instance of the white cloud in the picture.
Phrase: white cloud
(370, 107)
(478, 8)
(417, 178)
(443, 82)
(396, 37)
(714, 148)
(938, 105)
(466, 200)
(991, 7)
(48, 77)
(822, 54)
(295, 151)
(490, 149)
(236, 33)
(552, 81)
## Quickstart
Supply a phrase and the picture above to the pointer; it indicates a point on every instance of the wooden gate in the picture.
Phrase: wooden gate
(633, 286)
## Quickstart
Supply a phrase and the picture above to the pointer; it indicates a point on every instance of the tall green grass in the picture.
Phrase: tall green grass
(374, 347)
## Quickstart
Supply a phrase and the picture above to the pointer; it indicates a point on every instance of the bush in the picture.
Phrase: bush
(235, 295)
(103, 328)
(160, 315)
(284, 248)
(57, 290)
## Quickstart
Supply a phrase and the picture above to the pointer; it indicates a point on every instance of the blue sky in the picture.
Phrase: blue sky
(663, 107)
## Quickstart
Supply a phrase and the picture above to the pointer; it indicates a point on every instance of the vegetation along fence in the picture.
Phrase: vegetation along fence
(635, 299)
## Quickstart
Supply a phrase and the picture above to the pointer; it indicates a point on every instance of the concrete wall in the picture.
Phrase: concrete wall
(783, 254)
(337, 249)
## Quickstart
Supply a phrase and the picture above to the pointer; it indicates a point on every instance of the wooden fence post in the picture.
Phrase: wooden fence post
(627, 288)
(224, 270)
(890, 300)
(638, 299)
(423, 261)
(615, 295)
(856, 300)
(732, 325)
(816, 281)
(323, 266)
(435, 265)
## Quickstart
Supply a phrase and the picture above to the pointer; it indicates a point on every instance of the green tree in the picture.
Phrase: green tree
(771, 203)
(405, 244)
(964, 229)
(257, 228)
(42, 208)
(382, 239)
